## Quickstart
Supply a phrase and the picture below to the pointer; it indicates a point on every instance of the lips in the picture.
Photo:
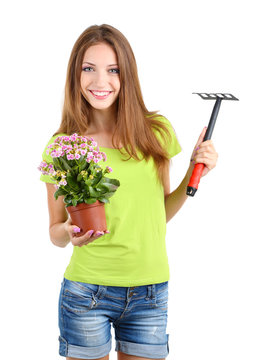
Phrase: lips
(100, 94)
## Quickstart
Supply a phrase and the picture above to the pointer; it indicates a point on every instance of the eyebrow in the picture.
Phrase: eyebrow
(87, 62)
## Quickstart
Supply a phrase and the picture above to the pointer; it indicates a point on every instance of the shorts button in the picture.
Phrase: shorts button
(131, 294)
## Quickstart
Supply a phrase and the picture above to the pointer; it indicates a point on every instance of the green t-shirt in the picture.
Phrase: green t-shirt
(134, 253)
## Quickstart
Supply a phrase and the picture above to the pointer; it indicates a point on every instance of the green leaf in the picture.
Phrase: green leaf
(102, 188)
(72, 182)
(65, 164)
(109, 194)
(74, 202)
(83, 166)
(67, 201)
(59, 192)
(57, 164)
(103, 200)
(97, 178)
(80, 198)
(108, 186)
(90, 200)
(79, 177)
(93, 192)
(109, 181)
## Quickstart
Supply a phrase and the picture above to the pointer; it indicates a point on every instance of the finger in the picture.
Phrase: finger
(208, 144)
(75, 229)
(206, 152)
(94, 236)
(208, 160)
(84, 237)
(97, 235)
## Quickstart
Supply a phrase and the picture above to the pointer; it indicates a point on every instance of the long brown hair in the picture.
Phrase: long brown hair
(135, 124)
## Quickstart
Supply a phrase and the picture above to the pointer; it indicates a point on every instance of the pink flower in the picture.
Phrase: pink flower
(70, 156)
(104, 156)
(89, 158)
(63, 182)
(73, 137)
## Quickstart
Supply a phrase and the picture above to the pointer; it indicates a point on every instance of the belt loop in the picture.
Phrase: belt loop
(101, 291)
(149, 292)
(153, 292)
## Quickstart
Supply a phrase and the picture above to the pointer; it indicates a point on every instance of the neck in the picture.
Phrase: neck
(103, 120)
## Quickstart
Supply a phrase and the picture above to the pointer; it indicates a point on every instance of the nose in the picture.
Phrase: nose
(100, 80)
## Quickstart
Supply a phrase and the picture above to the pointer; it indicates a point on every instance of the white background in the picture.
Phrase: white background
(180, 47)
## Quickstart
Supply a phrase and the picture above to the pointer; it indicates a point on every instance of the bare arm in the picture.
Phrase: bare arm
(175, 200)
(57, 218)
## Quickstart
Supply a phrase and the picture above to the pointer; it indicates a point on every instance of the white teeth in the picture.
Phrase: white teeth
(100, 93)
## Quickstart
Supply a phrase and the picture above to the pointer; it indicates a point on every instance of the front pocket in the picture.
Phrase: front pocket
(79, 298)
(162, 295)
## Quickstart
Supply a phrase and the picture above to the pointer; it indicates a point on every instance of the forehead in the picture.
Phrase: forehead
(100, 53)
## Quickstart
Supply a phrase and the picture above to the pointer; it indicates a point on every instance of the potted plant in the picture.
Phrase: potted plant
(80, 179)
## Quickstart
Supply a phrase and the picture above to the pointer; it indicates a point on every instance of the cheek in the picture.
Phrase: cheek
(84, 79)
(117, 85)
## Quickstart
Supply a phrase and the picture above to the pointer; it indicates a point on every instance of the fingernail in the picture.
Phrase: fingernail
(198, 148)
(76, 229)
(91, 232)
(108, 232)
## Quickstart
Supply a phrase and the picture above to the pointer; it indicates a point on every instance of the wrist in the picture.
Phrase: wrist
(189, 171)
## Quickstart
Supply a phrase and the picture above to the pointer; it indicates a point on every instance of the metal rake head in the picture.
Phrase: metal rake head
(214, 96)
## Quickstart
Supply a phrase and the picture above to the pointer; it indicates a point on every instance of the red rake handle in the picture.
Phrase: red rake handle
(195, 178)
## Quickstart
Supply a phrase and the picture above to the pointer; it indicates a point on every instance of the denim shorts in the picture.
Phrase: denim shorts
(138, 316)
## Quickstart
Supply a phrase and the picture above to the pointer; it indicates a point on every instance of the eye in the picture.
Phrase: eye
(87, 67)
(116, 71)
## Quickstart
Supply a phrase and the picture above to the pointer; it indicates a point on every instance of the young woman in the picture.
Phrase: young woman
(120, 276)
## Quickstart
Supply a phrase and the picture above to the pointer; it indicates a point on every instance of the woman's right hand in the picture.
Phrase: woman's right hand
(85, 239)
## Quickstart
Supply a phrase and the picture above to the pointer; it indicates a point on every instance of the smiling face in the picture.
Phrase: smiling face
(100, 81)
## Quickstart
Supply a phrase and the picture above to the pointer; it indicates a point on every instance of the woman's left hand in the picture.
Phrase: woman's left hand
(204, 152)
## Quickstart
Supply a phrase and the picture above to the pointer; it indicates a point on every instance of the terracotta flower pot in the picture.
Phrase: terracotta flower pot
(88, 217)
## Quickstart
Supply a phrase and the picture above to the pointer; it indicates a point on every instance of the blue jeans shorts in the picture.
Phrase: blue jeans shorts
(138, 316)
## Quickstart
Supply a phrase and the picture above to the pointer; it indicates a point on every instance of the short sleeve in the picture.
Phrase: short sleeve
(173, 147)
(49, 159)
